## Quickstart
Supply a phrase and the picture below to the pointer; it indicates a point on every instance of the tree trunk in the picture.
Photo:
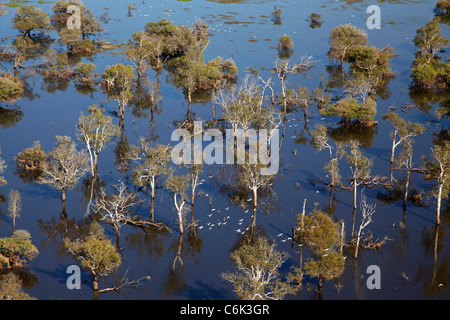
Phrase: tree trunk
(438, 209)
(180, 221)
(63, 198)
(255, 198)
(95, 283)
(320, 286)
(355, 186)
(95, 164)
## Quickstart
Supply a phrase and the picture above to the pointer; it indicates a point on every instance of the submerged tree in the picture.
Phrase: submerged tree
(367, 211)
(116, 209)
(17, 250)
(343, 38)
(2, 169)
(360, 167)
(95, 252)
(320, 142)
(427, 69)
(11, 286)
(65, 166)
(95, 131)
(257, 276)
(14, 206)
(321, 235)
(439, 168)
(30, 19)
(118, 80)
(403, 130)
(153, 164)
(178, 185)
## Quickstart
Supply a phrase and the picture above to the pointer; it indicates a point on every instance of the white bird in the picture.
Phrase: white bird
(201, 227)
(209, 215)
(213, 209)
(227, 208)
(246, 211)
(280, 235)
(238, 230)
(283, 240)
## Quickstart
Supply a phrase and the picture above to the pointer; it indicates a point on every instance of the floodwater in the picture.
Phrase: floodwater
(414, 263)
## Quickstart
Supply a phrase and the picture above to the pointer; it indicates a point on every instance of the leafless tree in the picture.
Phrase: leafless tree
(367, 211)
(14, 206)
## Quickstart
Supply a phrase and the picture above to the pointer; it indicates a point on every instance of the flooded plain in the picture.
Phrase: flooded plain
(414, 262)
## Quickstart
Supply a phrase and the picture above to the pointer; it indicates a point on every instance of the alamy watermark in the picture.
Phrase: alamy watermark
(374, 280)
(261, 146)
(374, 21)
(74, 21)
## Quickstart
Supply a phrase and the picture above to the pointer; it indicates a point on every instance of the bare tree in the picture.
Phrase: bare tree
(367, 211)
(284, 68)
(14, 206)
(116, 209)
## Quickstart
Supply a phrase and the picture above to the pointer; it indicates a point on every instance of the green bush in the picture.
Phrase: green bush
(11, 88)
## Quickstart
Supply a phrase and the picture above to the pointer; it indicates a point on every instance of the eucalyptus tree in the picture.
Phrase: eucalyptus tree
(153, 164)
(139, 50)
(3, 166)
(31, 19)
(118, 80)
(343, 38)
(116, 209)
(65, 166)
(178, 185)
(89, 26)
(319, 141)
(439, 168)
(96, 130)
(360, 167)
(321, 235)
(285, 67)
(257, 276)
(403, 130)
(95, 252)
(14, 206)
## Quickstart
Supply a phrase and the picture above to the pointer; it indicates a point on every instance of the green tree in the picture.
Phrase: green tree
(140, 51)
(257, 276)
(11, 88)
(65, 166)
(343, 38)
(96, 130)
(95, 252)
(118, 79)
(17, 250)
(11, 288)
(321, 235)
(30, 19)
